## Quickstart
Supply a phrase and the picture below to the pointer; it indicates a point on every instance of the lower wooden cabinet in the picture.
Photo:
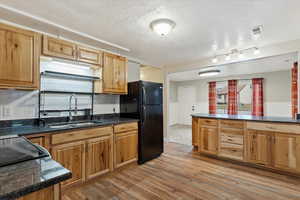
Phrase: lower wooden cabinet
(72, 157)
(126, 146)
(259, 147)
(209, 140)
(195, 131)
(271, 145)
(286, 152)
(44, 194)
(99, 156)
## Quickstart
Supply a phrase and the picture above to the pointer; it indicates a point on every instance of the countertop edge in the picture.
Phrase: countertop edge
(266, 119)
(36, 187)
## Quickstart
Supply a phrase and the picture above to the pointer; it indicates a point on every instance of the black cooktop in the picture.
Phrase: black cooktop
(15, 149)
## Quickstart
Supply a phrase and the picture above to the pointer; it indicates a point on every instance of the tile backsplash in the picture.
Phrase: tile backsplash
(16, 104)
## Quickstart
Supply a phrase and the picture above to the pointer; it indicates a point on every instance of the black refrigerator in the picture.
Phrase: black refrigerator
(144, 101)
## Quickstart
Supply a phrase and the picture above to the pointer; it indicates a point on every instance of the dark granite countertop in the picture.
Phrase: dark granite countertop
(247, 118)
(20, 179)
(29, 129)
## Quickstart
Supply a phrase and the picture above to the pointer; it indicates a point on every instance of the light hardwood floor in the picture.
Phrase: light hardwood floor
(181, 174)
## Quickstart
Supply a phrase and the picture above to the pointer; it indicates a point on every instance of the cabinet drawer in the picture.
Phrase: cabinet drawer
(209, 122)
(126, 127)
(232, 124)
(234, 136)
(234, 151)
(80, 134)
(275, 127)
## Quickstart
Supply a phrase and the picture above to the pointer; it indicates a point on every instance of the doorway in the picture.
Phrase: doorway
(182, 105)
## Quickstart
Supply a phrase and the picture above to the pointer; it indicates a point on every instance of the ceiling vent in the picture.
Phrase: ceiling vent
(257, 31)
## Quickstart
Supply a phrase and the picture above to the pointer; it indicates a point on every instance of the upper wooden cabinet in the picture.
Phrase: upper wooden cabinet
(19, 58)
(68, 50)
(89, 55)
(114, 74)
(58, 48)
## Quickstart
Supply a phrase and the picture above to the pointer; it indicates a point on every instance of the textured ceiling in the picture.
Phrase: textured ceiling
(201, 24)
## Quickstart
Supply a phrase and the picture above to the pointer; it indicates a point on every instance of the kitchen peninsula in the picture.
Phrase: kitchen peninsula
(268, 142)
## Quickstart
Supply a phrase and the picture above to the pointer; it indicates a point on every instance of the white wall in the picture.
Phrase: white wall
(133, 71)
(277, 93)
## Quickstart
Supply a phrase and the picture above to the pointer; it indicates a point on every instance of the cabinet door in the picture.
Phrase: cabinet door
(99, 157)
(120, 75)
(259, 147)
(126, 147)
(195, 131)
(89, 55)
(19, 58)
(44, 194)
(72, 157)
(209, 140)
(286, 152)
(58, 48)
(37, 140)
(108, 72)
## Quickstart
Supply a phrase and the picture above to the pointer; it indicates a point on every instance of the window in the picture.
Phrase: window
(222, 90)
(244, 97)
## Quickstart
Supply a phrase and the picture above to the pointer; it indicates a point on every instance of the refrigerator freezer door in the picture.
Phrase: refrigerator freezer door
(152, 94)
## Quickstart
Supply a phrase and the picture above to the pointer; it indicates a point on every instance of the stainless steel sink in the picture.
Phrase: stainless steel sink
(83, 124)
(73, 125)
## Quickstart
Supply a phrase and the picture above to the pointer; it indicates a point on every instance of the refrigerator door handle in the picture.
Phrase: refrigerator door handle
(144, 94)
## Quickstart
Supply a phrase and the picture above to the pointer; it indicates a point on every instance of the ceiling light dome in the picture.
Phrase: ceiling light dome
(162, 26)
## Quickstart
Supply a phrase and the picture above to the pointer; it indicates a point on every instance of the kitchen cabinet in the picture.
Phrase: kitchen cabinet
(126, 148)
(63, 49)
(72, 157)
(271, 145)
(209, 140)
(19, 58)
(44, 194)
(195, 132)
(231, 143)
(286, 151)
(114, 74)
(87, 153)
(98, 156)
(259, 147)
(89, 55)
(58, 48)
(126, 144)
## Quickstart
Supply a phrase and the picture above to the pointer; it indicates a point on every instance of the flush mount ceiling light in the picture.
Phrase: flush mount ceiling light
(162, 26)
(209, 72)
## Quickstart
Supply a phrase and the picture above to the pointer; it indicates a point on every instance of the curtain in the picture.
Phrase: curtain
(232, 97)
(294, 92)
(257, 97)
(212, 101)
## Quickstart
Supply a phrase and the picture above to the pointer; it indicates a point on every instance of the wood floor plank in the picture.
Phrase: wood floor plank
(181, 174)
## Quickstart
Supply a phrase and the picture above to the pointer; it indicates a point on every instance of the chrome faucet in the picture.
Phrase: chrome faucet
(70, 106)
